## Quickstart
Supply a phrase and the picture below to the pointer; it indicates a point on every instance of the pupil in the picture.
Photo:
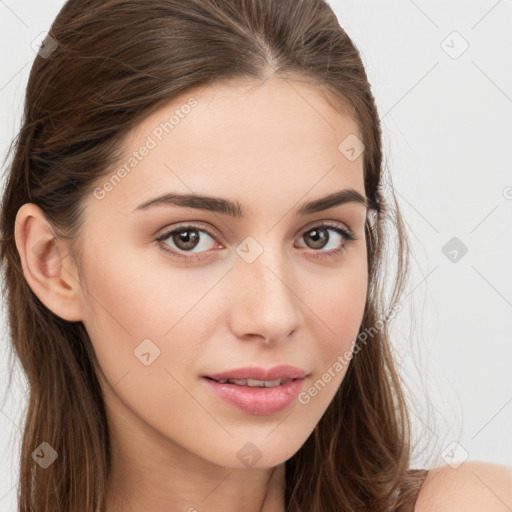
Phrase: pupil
(318, 237)
(186, 239)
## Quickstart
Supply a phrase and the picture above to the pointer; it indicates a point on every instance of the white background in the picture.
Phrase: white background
(447, 126)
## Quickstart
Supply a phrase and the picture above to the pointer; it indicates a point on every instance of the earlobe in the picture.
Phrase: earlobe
(49, 273)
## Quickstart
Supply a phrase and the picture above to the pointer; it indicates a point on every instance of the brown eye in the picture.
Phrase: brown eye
(186, 239)
(317, 238)
(182, 241)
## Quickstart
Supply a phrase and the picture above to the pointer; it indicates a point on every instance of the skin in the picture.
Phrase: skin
(272, 149)
(473, 486)
(175, 444)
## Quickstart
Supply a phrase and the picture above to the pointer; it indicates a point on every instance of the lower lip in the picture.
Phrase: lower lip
(257, 400)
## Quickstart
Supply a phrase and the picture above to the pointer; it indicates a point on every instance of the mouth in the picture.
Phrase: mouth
(253, 383)
(259, 376)
(256, 397)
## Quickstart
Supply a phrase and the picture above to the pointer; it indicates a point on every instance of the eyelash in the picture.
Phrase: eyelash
(335, 253)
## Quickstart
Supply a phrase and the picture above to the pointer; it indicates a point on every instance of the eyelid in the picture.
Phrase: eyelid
(347, 233)
(164, 232)
(325, 223)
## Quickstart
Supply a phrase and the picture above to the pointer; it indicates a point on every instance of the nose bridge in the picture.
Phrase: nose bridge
(264, 284)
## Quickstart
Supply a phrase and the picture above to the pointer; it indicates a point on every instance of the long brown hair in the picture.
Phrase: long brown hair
(108, 65)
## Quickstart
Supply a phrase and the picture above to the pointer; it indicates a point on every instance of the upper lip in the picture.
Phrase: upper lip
(258, 373)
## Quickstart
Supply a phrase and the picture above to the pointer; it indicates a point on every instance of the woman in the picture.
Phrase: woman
(193, 239)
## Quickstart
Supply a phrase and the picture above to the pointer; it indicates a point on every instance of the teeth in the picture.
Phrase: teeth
(255, 383)
(274, 383)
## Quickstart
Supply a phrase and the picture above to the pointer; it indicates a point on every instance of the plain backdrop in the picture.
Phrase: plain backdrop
(441, 73)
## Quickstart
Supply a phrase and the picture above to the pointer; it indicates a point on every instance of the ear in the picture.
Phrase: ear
(49, 271)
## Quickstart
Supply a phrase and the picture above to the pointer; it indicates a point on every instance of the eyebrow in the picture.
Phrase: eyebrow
(237, 210)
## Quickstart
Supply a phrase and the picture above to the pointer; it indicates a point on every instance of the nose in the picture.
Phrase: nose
(265, 302)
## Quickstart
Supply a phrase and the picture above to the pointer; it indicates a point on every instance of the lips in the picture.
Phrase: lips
(256, 400)
(254, 373)
(253, 382)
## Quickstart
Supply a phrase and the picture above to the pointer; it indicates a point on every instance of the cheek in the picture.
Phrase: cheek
(141, 334)
(133, 290)
(135, 296)
(338, 309)
(336, 316)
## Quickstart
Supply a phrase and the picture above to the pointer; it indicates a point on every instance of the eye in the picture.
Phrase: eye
(318, 238)
(187, 239)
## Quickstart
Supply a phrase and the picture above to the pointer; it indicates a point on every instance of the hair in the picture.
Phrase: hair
(115, 63)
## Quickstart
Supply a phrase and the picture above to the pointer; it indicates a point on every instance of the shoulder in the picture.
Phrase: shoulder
(473, 486)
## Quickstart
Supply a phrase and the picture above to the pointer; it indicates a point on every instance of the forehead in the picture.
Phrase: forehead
(279, 137)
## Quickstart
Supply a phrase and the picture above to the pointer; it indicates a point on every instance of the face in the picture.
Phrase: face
(176, 292)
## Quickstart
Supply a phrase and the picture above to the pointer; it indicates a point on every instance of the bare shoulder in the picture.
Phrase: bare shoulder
(474, 486)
